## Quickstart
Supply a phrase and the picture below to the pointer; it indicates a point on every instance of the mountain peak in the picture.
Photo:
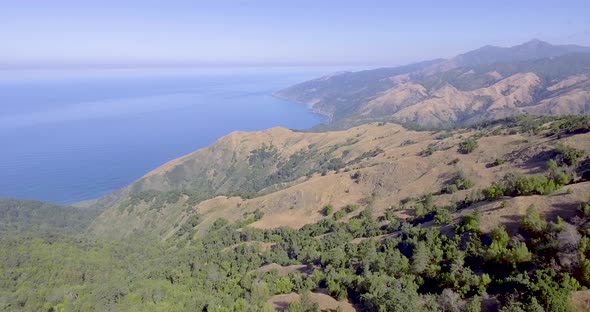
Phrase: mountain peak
(536, 41)
(534, 44)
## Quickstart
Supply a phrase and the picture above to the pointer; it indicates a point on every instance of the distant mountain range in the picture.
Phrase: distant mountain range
(488, 83)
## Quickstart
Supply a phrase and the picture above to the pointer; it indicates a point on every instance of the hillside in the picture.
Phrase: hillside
(284, 178)
(484, 84)
(487, 218)
(36, 216)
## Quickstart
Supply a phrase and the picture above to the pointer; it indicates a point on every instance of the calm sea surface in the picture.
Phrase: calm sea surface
(72, 135)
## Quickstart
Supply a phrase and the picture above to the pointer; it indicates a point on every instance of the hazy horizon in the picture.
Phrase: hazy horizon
(265, 33)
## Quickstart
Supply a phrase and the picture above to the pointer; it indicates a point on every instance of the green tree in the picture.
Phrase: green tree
(532, 223)
(327, 210)
(568, 155)
(420, 258)
(336, 290)
(282, 285)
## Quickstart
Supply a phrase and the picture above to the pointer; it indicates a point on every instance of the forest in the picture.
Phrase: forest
(431, 261)
(380, 266)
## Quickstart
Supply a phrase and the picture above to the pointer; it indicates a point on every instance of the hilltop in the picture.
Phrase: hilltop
(485, 84)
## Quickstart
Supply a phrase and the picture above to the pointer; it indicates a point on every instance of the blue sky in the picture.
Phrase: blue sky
(275, 32)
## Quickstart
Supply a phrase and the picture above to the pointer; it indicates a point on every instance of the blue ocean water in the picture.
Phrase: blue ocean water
(77, 134)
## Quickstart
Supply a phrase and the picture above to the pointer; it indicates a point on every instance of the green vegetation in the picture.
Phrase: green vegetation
(418, 269)
(527, 124)
(351, 208)
(188, 226)
(437, 260)
(457, 182)
(467, 146)
(30, 215)
(567, 155)
(327, 210)
(521, 185)
(498, 162)
(366, 155)
(429, 150)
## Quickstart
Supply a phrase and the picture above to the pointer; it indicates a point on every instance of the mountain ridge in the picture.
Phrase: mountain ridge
(344, 98)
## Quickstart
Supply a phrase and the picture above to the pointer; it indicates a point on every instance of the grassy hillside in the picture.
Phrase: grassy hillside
(286, 177)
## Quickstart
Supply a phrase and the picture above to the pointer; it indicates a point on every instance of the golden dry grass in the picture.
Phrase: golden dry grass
(326, 303)
(392, 176)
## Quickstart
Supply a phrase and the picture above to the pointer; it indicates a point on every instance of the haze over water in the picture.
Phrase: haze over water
(72, 135)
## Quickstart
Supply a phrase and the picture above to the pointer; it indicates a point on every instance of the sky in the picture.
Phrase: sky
(279, 32)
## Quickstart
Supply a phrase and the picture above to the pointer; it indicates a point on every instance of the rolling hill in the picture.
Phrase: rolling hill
(287, 177)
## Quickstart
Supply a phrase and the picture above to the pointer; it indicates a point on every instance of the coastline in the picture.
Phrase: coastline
(137, 140)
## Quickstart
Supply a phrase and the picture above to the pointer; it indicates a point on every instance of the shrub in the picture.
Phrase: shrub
(498, 162)
(553, 289)
(350, 208)
(520, 185)
(421, 211)
(459, 182)
(442, 216)
(282, 285)
(336, 290)
(568, 155)
(467, 146)
(327, 210)
(470, 223)
(258, 214)
(532, 223)
(429, 150)
(585, 271)
(339, 215)
(356, 176)
(450, 189)
(585, 209)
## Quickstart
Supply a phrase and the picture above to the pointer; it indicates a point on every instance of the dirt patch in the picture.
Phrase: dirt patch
(326, 303)
(580, 301)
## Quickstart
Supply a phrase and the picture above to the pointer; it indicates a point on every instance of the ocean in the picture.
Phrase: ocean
(69, 135)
